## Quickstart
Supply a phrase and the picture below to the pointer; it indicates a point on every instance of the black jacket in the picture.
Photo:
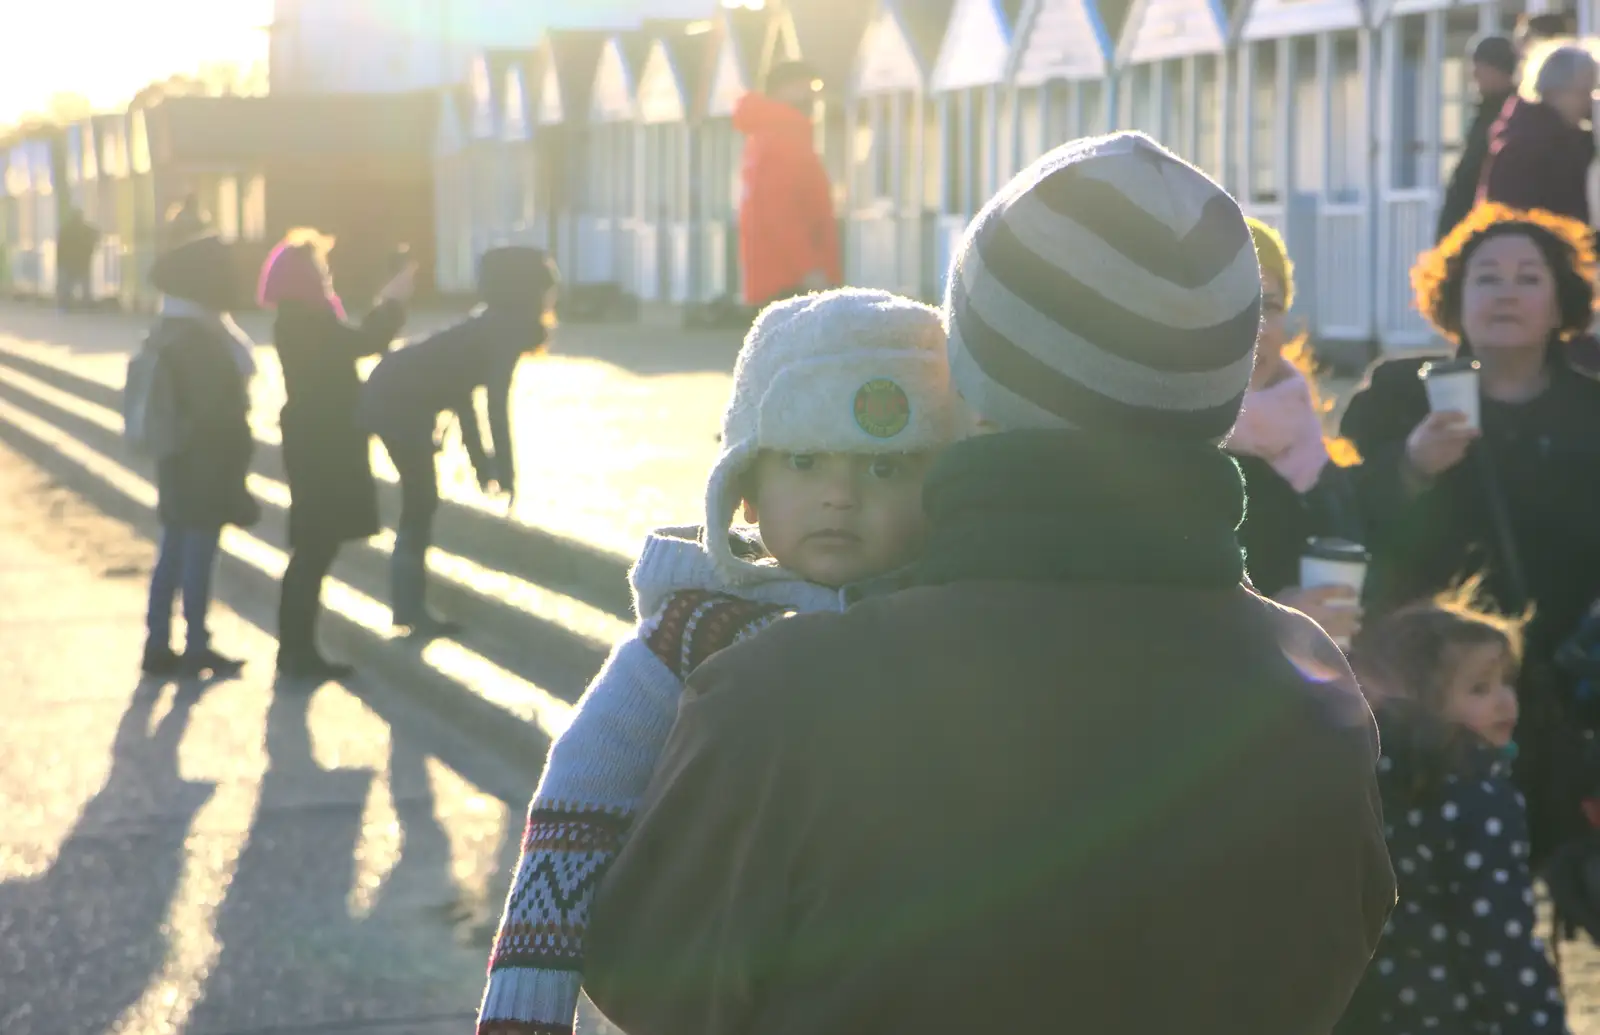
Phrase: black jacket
(1546, 460)
(1462, 192)
(407, 391)
(1278, 521)
(325, 451)
(202, 483)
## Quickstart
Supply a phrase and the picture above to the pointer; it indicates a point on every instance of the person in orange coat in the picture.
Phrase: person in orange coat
(788, 238)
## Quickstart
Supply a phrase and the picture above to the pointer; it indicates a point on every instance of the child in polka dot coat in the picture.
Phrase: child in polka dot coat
(1459, 954)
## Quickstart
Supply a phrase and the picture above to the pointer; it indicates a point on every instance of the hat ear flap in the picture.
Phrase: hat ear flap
(722, 500)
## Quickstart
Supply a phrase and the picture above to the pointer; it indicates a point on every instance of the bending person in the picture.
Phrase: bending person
(408, 390)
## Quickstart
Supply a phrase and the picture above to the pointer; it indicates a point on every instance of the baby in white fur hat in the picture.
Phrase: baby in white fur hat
(840, 401)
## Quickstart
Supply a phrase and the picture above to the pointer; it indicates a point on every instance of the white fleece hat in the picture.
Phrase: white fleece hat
(844, 371)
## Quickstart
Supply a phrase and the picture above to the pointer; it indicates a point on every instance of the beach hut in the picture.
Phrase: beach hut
(493, 165)
(606, 222)
(43, 154)
(1303, 160)
(1062, 73)
(453, 208)
(110, 206)
(977, 111)
(666, 163)
(13, 186)
(898, 176)
(518, 98)
(1173, 78)
(1424, 96)
(740, 35)
(568, 61)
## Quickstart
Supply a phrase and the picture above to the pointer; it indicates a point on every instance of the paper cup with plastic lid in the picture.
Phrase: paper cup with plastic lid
(1335, 562)
(1452, 386)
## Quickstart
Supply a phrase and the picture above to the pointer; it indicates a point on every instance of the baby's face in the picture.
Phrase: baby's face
(838, 518)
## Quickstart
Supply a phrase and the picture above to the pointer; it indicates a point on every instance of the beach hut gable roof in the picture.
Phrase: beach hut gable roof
(1162, 29)
(661, 96)
(1061, 40)
(450, 137)
(887, 62)
(976, 47)
(515, 126)
(612, 99)
(729, 80)
(828, 34)
(481, 83)
(1275, 19)
(550, 96)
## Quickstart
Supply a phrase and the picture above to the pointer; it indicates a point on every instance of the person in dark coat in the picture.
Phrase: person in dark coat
(1541, 148)
(185, 220)
(1494, 73)
(325, 452)
(1069, 773)
(75, 259)
(1296, 490)
(200, 482)
(1517, 503)
(410, 387)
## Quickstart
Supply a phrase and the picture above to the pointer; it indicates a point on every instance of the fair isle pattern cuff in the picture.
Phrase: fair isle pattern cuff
(567, 849)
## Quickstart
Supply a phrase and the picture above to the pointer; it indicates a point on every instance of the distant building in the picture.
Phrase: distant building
(395, 46)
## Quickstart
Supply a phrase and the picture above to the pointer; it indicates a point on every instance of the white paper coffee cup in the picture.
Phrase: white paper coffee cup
(1321, 572)
(1453, 388)
(1335, 562)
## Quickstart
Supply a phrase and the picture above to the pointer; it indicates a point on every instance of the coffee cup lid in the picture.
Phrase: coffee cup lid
(1441, 367)
(1329, 549)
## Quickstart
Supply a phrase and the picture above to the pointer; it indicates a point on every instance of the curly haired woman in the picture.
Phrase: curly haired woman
(1517, 502)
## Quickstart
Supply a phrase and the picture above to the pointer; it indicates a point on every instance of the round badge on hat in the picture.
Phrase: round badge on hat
(882, 409)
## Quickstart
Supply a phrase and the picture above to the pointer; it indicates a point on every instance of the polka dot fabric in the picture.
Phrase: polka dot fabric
(1459, 954)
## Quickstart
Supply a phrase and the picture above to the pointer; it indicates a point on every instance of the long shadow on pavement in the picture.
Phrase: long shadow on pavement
(80, 943)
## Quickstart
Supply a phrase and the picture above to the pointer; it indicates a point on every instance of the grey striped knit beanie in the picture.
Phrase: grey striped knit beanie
(1110, 286)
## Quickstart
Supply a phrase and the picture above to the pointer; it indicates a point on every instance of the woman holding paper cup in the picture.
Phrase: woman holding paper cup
(1298, 493)
(1487, 463)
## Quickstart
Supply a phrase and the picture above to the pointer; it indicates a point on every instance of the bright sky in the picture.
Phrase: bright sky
(109, 49)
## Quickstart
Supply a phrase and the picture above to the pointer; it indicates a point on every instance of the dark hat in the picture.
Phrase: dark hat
(1496, 52)
(1109, 287)
(200, 271)
(788, 73)
(515, 278)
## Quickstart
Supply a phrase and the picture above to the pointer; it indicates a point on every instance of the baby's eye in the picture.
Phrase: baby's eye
(887, 467)
(802, 461)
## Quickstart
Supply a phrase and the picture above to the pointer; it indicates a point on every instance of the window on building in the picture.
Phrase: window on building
(1265, 176)
(1407, 141)
(1348, 109)
(883, 129)
(228, 208)
(955, 171)
(982, 118)
(907, 123)
(1145, 113)
(933, 174)
(862, 151)
(1030, 124)
(1457, 97)
(1305, 124)
(1092, 108)
(253, 211)
(1208, 114)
